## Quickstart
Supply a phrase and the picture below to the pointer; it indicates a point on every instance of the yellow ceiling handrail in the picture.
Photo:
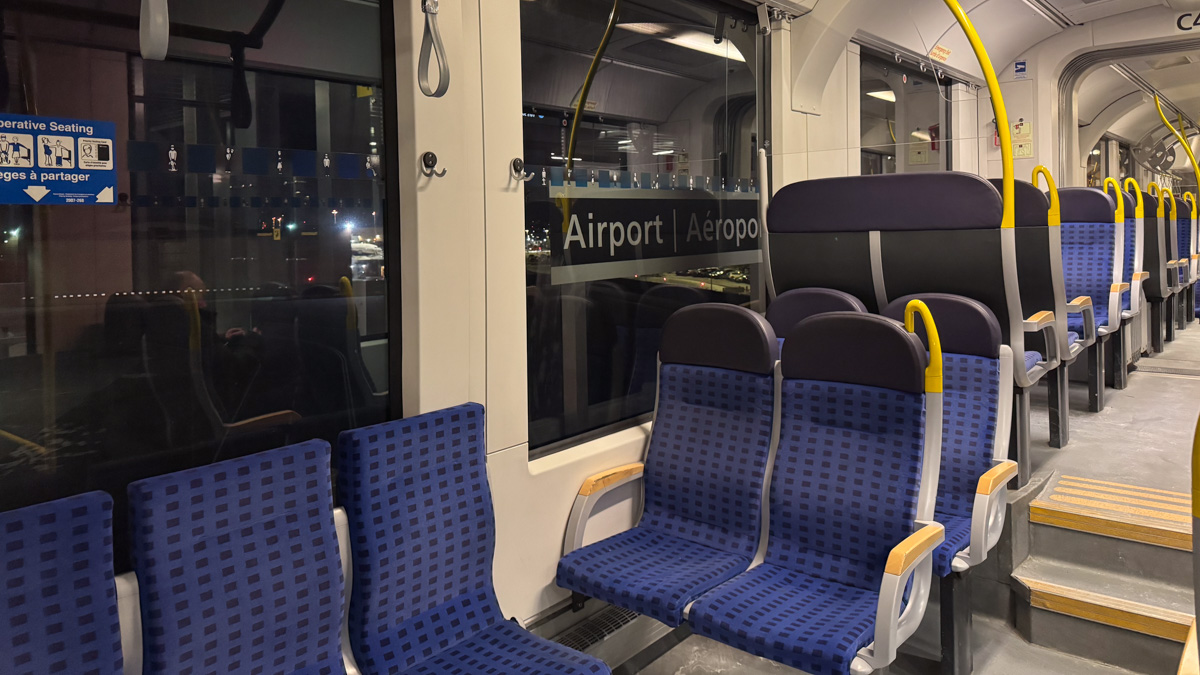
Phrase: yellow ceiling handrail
(1187, 147)
(1055, 215)
(1118, 196)
(1002, 128)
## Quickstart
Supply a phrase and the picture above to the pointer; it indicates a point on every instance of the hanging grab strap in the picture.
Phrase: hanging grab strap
(432, 42)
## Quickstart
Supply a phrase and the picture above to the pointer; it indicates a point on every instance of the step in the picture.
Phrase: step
(1117, 619)
(1134, 530)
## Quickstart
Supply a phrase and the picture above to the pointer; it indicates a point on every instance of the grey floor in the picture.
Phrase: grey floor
(1143, 437)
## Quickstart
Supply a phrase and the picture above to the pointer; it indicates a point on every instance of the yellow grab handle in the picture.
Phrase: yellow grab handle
(933, 372)
(1140, 209)
(1055, 215)
(1002, 128)
(1190, 200)
(1196, 472)
(1118, 196)
(1158, 194)
(1174, 207)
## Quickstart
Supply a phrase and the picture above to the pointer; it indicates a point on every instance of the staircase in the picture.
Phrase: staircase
(1109, 573)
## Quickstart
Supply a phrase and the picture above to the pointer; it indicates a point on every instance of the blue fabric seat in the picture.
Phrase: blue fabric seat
(1072, 338)
(1089, 251)
(1075, 321)
(423, 536)
(59, 597)
(238, 566)
(704, 470)
(843, 493)
(1031, 359)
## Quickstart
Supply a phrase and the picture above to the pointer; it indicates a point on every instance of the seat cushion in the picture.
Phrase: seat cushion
(506, 649)
(649, 572)
(1072, 338)
(790, 617)
(1031, 359)
(1075, 321)
(958, 538)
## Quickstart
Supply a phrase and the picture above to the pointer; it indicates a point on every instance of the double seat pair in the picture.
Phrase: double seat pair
(245, 566)
(789, 491)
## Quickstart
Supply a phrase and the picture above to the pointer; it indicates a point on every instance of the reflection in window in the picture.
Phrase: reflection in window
(1125, 160)
(233, 300)
(902, 118)
(1096, 164)
(656, 212)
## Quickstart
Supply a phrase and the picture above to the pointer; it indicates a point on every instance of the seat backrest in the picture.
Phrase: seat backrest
(1092, 243)
(238, 566)
(1154, 258)
(1039, 261)
(59, 596)
(847, 473)
(1132, 233)
(796, 305)
(972, 392)
(713, 427)
(422, 535)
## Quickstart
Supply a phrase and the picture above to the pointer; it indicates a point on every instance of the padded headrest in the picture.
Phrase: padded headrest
(855, 348)
(1033, 207)
(1087, 205)
(1130, 205)
(798, 304)
(964, 325)
(718, 335)
(1149, 204)
(888, 202)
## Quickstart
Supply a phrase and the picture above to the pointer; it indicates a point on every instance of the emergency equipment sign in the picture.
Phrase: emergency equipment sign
(49, 160)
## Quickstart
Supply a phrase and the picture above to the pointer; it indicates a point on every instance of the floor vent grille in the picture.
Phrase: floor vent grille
(596, 628)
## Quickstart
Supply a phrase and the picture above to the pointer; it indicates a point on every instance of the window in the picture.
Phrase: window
(657, 211)
(230, 295)
(1097, 162)
(1125, 160)
(903, 124)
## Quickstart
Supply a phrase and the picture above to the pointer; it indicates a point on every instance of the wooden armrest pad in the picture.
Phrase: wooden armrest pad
(996, 477)
(907, 552)
(1119, 288)
(1190, 663)
(1039, 321)
(597, 482)
(1080, 302)
(1141, 276)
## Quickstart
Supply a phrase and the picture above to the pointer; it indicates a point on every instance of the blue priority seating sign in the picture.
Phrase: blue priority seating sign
(50, 160)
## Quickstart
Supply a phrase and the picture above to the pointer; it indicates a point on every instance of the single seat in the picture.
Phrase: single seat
(796, 305)
(59, 596)
(238, 566)
(972, 487)
(423, 534)
(705, 467)
(1160, 292)
(852, 475)
(1093, 250)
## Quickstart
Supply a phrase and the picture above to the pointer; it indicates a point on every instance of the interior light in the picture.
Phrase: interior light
(883, 95)
(921, 135)
(562, 159)
(625, 142)
(664, 152)
(687, 38)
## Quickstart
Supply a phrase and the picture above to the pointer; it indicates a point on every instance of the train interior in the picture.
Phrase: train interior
(673, 337)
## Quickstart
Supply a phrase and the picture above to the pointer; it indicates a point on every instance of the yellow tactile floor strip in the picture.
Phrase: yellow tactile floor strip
(1148, 515)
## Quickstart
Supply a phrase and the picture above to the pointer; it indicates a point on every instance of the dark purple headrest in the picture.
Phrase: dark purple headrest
(964, 325)
(1149, 205)
(1033, 207)
(854, 348)
(889, 202)
(718, 335)
(1087, 205)
(798, 304)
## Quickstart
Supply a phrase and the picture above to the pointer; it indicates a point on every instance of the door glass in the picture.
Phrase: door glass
(902, 118)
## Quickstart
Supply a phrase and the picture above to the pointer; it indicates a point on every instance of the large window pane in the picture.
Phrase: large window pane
(233, 298)
(902, 118)
(657, 211)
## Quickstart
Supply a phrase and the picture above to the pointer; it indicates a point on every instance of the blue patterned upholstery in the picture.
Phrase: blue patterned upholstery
(1130, 254)
(843, 494)
(1031, 359)
(1072, 338)
(59, 596)
(1088, 253)
(958, 538)
(238, 566)
(971, 398)
(1183, 228)
(422, 533)
(703, 491)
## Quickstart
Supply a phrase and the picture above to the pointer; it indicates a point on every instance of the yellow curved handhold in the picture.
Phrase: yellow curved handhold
(1190, 200)
(1196, 472)
(933, 373)
(1118, 196)
(1187, 147)
(1158, 193)
(1174, 207)
(1002, 128)
(347, 290)
(1055, 215)
(1140, 208)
